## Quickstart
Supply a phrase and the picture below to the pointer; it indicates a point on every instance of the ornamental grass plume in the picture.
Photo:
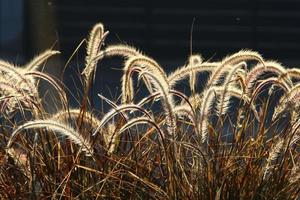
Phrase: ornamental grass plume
(235, 136)
(55, 126)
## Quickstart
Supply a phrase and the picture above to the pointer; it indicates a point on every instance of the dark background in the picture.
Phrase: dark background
(161, 29)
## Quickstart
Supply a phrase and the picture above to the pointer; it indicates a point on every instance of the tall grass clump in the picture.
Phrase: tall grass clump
(237, 138)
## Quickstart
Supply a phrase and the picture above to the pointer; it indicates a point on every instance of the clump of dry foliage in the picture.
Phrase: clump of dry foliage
(195, 146)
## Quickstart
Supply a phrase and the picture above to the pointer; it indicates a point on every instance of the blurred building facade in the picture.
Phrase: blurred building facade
(161, 29)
